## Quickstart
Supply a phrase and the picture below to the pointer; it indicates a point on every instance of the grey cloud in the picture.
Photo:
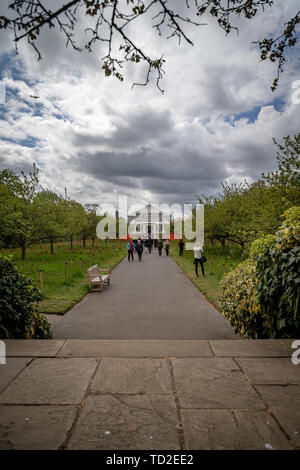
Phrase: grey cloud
(134, 129)
(177, 170)
(16, 166)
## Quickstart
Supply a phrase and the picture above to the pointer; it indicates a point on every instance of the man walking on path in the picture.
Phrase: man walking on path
(130, 247)
(159, 246)
(149, 244)
(181, 246)
(167, 247)
(139, 249)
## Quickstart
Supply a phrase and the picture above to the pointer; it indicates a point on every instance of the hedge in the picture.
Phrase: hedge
(261, 297)
(19, 298)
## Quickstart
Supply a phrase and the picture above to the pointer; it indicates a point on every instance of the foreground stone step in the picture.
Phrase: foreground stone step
(155, 395)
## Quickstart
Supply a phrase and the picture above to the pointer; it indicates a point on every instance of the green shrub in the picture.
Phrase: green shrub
(261, 297)
(19, 317)
(239, 301)
(278, 291)
(289, 234)
(43, 328)
(278, 270)
(259, 246)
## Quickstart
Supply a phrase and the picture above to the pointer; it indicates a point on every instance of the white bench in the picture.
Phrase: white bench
(97, 280)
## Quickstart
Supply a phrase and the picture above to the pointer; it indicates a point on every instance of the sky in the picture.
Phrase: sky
(100, 138)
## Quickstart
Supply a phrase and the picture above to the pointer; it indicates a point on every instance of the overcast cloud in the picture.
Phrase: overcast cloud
(100, 139)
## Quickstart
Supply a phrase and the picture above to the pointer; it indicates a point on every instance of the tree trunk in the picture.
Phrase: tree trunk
(23, 252)
(93, 241)
(51, 247)
(223, 244)
(83, 241)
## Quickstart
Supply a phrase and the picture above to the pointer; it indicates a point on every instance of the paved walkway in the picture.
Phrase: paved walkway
(91, 394)
(153, 299)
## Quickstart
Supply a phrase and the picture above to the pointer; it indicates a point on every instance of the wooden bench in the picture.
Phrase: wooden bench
(96, 280)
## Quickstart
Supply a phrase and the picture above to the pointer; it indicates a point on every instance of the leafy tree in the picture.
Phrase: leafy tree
(93, 219)
(213, 223)
(50, 209)
(6, 210)
(240, 213)
(227, 215)
(111, 21)
(72, 216)
(21, 220)
(286, 179)
(87, 224)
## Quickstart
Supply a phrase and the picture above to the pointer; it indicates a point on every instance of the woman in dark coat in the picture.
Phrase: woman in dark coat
(181, 246)
(167, 247)
(159, 246)
(139, 249)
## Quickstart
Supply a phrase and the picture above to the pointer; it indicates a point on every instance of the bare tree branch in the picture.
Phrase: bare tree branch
(112, 18)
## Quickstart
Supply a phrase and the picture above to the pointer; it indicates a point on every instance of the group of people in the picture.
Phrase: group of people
(138, 247)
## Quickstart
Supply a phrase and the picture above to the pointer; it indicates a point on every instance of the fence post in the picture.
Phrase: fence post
(41, 279)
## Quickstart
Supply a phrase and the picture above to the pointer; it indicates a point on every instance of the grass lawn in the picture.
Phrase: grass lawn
(64, 274)
(216, 265)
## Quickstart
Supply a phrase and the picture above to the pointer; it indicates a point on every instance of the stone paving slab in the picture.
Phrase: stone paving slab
(34, 427)
(213, 383)
(135, 348)
(154, 402)
(33, 347)
(232, 430)
(252, 348)
(132, 376)
(127, 422)
(258, 430)
(209, 429)
(271, 370)
(51, 381)
(285, 405)
(13, 366)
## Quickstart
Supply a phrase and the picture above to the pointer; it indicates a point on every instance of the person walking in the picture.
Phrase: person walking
(130, 247)
(139, 249)
(159, 246)
(149, 244)
(167, 247)
(181, 246)
(198, 258)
